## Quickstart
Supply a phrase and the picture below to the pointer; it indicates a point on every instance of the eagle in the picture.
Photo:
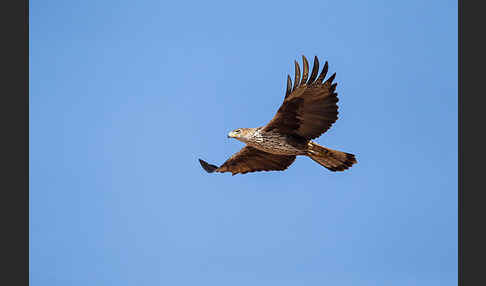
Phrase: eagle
(308, 110)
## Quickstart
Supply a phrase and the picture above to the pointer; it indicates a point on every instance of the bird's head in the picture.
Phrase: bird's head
(240, 134)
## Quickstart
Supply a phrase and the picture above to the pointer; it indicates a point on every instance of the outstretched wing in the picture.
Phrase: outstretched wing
(310, 106)
(250, 159)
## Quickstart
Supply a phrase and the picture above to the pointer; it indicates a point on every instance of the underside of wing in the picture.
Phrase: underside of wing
(310, 105)
(250, 159)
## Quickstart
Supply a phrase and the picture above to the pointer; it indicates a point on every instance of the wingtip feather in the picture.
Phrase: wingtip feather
(297, 75)
(315, 70)
(289, 86)
(207, 167)
(323, 73)
(305, 73)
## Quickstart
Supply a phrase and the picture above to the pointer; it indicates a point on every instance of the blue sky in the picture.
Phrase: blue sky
(125, 96)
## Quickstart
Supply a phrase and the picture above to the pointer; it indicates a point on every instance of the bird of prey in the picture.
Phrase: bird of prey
(308, 110)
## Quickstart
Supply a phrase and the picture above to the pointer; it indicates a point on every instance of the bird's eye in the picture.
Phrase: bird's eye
(237, 131)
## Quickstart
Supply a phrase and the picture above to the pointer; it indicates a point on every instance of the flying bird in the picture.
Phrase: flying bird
(308, 110)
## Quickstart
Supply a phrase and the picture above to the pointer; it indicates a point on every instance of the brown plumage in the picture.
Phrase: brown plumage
(308, 110)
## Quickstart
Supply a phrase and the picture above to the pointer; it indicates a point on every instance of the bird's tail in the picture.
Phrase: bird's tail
(331, 159)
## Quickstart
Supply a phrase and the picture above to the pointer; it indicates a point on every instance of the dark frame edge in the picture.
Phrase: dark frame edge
(459, 144)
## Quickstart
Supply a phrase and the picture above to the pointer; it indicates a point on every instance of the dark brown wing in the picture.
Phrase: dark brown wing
(310, 106)
(250, 159)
